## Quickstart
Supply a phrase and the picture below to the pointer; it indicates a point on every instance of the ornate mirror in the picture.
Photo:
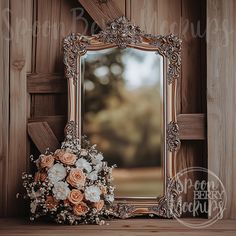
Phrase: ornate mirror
(122, 95)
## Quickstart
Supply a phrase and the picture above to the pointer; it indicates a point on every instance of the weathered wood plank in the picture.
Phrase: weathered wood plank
(42, 136)
(191, 93)
(49, 104)
(48, 36)
(102, 13)
(127, 227)
(192, 126)
(21, 16)
(221, 99)
(140, 11)
(56, 123)
(4, 104)
(46, 83)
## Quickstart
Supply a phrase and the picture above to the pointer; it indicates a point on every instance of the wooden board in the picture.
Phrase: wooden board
(46, 83)
(56, 123)
(129, 227)
(20, 62)
(192, 126)
(42, 136)
(102, 13)
(221, 99)
(4, 104)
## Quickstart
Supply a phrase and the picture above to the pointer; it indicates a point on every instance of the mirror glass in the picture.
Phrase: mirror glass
(122, 112)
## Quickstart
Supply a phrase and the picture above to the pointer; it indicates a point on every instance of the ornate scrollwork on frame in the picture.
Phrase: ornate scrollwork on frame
(71, 137)
(122, 210)
(172, 136)
(121, 32)
(168, 206)
(74, 45)
(169, 46)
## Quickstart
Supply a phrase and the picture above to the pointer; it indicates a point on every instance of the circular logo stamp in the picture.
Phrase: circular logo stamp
(204, 197)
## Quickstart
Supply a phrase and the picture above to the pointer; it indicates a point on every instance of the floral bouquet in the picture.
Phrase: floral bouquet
(71, 185)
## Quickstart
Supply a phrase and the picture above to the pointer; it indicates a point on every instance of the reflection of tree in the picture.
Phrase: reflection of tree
(125, 125)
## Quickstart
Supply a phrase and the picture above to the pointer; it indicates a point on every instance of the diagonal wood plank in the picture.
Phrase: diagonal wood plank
(42, 136)
(102, 12)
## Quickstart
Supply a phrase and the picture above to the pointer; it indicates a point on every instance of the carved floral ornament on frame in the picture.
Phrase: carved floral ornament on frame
(74, 184)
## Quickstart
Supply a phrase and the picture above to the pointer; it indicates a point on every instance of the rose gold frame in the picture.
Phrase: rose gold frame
(121, 33)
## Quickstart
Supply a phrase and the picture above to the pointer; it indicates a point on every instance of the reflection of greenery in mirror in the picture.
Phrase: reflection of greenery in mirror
(123, 115)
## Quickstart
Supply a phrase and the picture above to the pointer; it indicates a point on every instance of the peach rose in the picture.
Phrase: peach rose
(68, 158)
(76, 177)
(75, 196)
(59, 153)
(51, 202)
(40, 176)
(99, 205)
(46, 161)
(80, 209)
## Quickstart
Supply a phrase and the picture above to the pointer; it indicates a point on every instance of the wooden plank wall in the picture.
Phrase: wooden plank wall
(36, 61)
(4, 103)
(221, 99)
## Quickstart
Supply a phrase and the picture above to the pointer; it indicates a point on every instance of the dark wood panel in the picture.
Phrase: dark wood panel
(192, 126)
(46, 83)
(48, 104)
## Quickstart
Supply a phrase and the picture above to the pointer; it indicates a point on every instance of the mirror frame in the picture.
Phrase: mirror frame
(122, 33)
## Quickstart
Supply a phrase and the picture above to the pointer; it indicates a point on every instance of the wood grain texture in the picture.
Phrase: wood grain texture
(4, 103)
(46, 83)
(192, 126)
(42, 136)
(104, 12)
(221, 99)
(129, 227)
(56, 123)
(21, 11)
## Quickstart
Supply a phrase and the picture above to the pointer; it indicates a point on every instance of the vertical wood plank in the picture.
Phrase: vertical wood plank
(144, 13)
(221, 98)
(121, 5)
(21, 19)
(48, 35)
(191, 93)
(4, 104)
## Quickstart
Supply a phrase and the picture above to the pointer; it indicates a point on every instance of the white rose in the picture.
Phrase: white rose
(92, 193)
(97, 159)
(98, 167)
(61, 190)
(93, 175)
(110, 198)
(83, 164)
(56, 173)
